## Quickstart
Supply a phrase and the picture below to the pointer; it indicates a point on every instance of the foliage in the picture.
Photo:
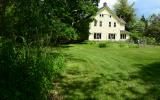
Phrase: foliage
(150, 40)
(145, 21)
(139, 27)
(27, 73)
(26, 70)
(125, 11)
(102, 45)
(135, 36)
(34, 19)
(109, 44)
(153, 29)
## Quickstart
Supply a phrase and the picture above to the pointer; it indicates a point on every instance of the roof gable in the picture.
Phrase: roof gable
(112, 13)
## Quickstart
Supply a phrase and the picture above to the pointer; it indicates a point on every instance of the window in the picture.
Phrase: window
(95, 22)
(109, 24)
(114, 24)
(110, 16)
(101, 15)
(97, 35)
(111, 36)
(123, 36)
(100, 23)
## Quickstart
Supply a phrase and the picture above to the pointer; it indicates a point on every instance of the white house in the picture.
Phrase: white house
(107, 26)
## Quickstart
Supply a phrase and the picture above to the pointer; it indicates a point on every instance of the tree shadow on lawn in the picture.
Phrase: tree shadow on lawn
(87, 89)
(65, 46)
(81, 89)
(150, 76)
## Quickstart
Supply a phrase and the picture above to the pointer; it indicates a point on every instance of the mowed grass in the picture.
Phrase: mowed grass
(111, 73)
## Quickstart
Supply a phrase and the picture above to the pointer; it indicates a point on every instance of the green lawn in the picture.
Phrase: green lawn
(111, 73)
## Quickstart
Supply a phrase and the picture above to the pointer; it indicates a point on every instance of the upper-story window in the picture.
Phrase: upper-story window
(95, 22)
(115, 24)
(110, 16)
(101, 15)
(100, 23)
(109, 24)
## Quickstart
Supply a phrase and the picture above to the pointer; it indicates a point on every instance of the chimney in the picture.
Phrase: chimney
(104, 4)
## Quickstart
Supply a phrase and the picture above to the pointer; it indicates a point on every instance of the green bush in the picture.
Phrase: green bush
(102, 45)
(123, 45)
(150, 40)
(133, 46)
(91, 42)
(27, 74)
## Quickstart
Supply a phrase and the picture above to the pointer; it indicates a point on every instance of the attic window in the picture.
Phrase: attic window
(101, 15)
(110, 16)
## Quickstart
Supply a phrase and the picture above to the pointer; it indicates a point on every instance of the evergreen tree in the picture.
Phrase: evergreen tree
(125, 11)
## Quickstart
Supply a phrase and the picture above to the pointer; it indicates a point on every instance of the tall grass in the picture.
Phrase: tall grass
(27, 73)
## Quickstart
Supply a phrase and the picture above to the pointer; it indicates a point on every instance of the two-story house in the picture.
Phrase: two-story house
(107, 26)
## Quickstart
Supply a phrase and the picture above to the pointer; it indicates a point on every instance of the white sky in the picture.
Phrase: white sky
(110, 3)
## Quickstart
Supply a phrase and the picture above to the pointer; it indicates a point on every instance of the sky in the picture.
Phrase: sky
(142, 7)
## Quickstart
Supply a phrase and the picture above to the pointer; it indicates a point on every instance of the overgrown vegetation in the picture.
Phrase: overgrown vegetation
(27, 71)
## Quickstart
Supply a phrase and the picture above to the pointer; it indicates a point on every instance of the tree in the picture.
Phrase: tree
(3, 5)
(139, 26)
(34, 19)
(27, 70)
(125, 11)
(153, 29)
(80, 13)
(145, 21)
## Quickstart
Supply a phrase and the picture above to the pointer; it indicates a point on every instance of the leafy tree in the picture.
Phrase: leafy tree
(145, 21)
(35, 20)
(153, 29)
(125, 11)
(27, 72)
(3, 5)
(139, 26)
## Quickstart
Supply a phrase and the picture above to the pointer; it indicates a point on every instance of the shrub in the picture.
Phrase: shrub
(27, 74)
(92, 42)
(123, 45)
(150, 40)
(133, 46)
(102, 45)
(135, 36)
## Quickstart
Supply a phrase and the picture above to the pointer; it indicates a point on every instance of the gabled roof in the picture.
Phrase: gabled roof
(113, 14)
